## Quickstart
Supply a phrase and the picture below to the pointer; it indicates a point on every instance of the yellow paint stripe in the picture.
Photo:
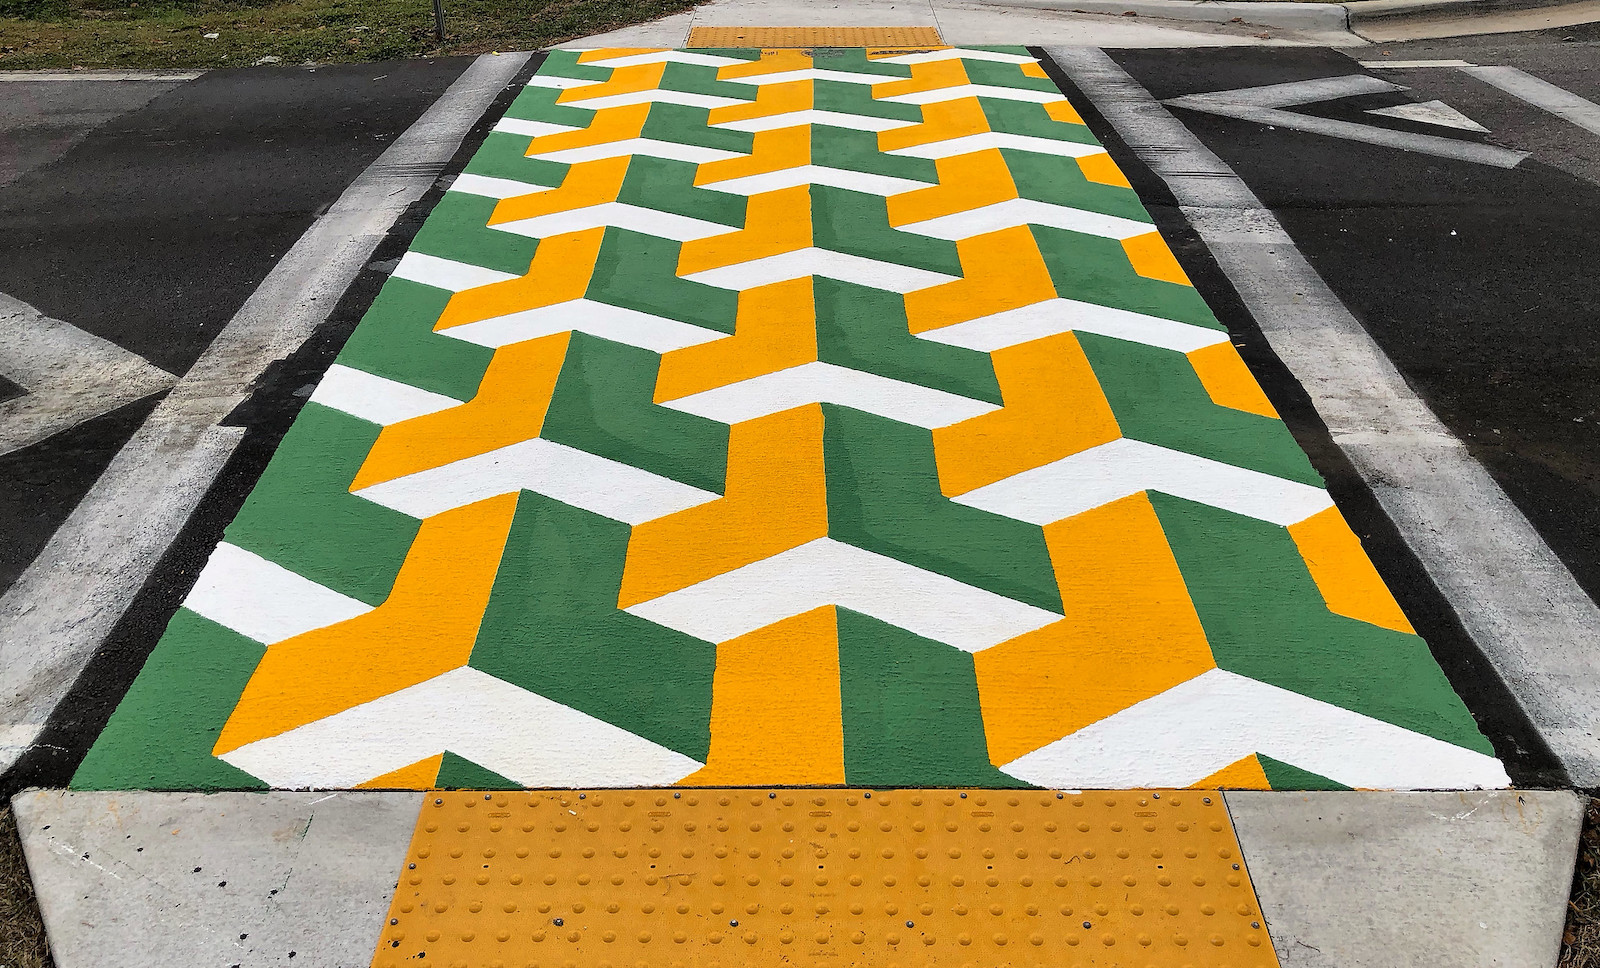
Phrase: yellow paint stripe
(941, 121)
(800, 37)
(509, 408)
(1053, 408)
(929, 76)
(421, 775)
(1000, 271)
(966, 182)
(425, 628)
(586, 183)
(560, 272)
(609, 53)
(623, 80)
(1245, 774)
(1100, 169)
(770, 99)
(1345, 576)
(1130, 632)
(774, 150)
(608, 125)
(770, 62)
(933, 878)
(1228, 381)
(775, 713)
(774, 223)
(775, 498)
(774, 330)
(1152, 259)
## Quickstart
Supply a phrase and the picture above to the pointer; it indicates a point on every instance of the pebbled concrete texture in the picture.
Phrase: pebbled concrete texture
(228, 879)
(1396, 880)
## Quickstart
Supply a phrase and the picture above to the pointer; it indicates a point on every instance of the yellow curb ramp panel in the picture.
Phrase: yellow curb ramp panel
(892, 878)
(774, 38)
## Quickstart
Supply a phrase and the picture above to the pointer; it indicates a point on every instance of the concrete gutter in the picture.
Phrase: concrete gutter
(1290, 15)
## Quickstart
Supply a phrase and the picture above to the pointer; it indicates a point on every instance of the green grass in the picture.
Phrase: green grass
(171, 33)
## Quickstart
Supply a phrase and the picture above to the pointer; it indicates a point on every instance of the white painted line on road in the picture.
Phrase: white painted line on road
(1516, 599)
(1541, 94)
(65, 604)
(1431, 112)
(1410, 64)
(1264, 105)
(168, 76)
(70, 375)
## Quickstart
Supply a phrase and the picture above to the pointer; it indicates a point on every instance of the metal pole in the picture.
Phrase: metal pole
(438, 19)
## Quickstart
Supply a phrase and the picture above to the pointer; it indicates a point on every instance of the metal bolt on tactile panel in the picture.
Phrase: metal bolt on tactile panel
(730, 878)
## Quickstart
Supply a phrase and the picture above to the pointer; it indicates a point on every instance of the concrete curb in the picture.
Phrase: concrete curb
(1289, 14)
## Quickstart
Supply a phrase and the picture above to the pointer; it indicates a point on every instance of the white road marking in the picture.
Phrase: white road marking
(890, 276)
(815, 382)
(532, 129)
(1409, 64)
(829, 572)
(635, 218)
(831, 119)
(374, 398)
(263, 600)
(1264, 105)
(959, 91)
(1114, 470)
(696, 58)
(1025, 211)
(616, 323)
(489, 187)
(870, 183)
(1516, 599)
(1541, 94)
(670, 150)
(70, 375)
(1431, 112)
(958, 53)
(1051, 316)
(59, 611)
(1151, 744)
(967, 144)
(446, 274)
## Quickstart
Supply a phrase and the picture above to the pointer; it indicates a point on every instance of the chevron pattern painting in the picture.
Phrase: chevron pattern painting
(771, 417)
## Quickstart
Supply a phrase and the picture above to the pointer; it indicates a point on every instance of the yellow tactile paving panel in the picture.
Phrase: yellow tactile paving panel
(592, 879)
(800, 37)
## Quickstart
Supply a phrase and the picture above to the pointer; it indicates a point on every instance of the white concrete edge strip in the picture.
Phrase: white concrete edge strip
(168, 76)
(151, 880)
(1515, 598)
(828, 572)
(1541, 94)
(1149, 743)
(59, 611)
(569, 749)
(70, 375)
(263, 600)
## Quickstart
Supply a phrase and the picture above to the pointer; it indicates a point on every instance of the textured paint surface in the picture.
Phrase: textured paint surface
(758, 417)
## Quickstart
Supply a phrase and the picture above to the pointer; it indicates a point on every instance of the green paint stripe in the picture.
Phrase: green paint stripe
(858, 224)
(866, 329)
(851, 150)
(505, 155)
(395, 340)
(456, 772)
(459, 229)
(638, 271)
(668, 186)
(564, 63)
(1059, 181)
(1286, 776)
(539, 104)
(1094, 269)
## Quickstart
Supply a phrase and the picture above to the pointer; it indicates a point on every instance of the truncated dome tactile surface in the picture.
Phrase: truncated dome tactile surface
(584, 879)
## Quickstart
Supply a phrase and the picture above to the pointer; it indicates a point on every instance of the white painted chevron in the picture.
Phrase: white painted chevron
(265, 601)
(958, 53)
(813, 74)
(831, 119)
(829, 572)
(656, 96)
(489, 187)
(1198, 727)
(606, 487)
(616, 323)
(650, 147)
(532, 129)
(870, 183)
(376, 399)
(801, 263)
(1106, 473)
(559, 82)
(1025, 211)
(826, 383)
(636, 218)
(1051, 316)
(967, 144)
(446, 274)
(958, 91)
(457, 712)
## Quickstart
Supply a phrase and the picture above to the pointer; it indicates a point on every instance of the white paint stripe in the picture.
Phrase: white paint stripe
(870, 183)
(958, 53)
(374, 398)
(264, 601)
(70, 375)
(489, 187)
(967, 144)
(532, 129)
(666, 225)
(168, 76)
(1106, 473)
(814, 74)
(670, 150)
(862, 271)
(656, 96)
(1154, 744)
(667, 57)
(60, 610)
(534, 741)
(616, 323)
(558, 82)
(832, 119)
(446, 274)
(1403, 64)
(1051, 316)
(1026, 211)
(606, 487)
(1514, 596)
(828, 572)
(959, 91)
(1431, 112)
(1541, 94)
(826, 383)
